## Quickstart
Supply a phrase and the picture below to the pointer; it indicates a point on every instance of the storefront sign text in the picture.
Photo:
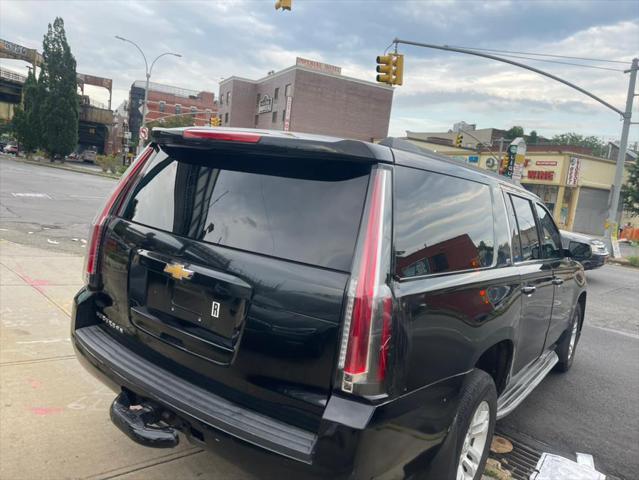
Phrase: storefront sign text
(265, 105)
(546, 163)
(573, 171)
(319, 66)
(541, 175)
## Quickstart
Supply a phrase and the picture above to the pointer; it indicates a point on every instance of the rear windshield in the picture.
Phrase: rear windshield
(305, 210)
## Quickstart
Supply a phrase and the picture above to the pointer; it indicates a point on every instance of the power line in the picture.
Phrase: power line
(544, 55)
(564, 63)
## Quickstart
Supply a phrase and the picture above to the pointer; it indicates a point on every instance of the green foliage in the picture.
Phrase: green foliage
(109, 163)
(597, 145)
(634, 261)
(60, 108)
(185, 120)
(630, 191)
(533, 138)
(515, 132)
(27, 121)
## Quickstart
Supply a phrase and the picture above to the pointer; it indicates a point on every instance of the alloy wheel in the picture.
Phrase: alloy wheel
(474, 443)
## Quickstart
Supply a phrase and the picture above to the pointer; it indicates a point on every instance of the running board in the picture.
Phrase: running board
(517, 392)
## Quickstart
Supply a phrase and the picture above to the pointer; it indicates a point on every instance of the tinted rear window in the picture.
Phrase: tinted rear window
(442, 223)
(306, 211)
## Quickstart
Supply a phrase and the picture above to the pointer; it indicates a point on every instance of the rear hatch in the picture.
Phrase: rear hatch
(230, 268)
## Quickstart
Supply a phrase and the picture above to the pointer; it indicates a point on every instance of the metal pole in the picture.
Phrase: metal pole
(611, 231)
(517, 64)
(144, 108)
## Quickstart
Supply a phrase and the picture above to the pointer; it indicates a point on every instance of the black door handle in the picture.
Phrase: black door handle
(557, 281)
(528, 289)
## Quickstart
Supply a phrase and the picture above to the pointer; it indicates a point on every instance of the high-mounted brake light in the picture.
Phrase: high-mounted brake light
(111, 205)
(363, 359)
(222, 136)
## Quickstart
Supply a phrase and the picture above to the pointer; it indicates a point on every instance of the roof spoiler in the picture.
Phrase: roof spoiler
(402, 144)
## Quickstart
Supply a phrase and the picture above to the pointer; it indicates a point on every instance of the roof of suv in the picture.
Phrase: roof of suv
(389, 150)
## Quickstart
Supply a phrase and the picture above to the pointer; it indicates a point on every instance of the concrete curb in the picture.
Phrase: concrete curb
(624, 262)
(61, 167)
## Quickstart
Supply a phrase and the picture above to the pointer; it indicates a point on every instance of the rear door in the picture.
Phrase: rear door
(233, 268)
(537, 285)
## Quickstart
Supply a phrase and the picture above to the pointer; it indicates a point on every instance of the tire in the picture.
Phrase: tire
(478, 401)
(566, 347)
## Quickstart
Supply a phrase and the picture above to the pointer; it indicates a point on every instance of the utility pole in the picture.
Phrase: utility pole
(611, 230)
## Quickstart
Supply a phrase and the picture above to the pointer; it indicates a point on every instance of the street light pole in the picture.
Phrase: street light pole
(148, 72)
(626, 115)
(621, 158)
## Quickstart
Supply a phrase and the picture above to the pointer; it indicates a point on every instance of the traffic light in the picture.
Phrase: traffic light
(216, 121)
(283, 4)
(391, 67)
(459, 140)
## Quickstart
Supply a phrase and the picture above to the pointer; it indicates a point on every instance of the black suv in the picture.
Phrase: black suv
(336, 307)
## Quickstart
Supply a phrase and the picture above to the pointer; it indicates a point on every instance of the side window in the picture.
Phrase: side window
(514, 231)
(442, 223)
(528, 236)
(550, 238)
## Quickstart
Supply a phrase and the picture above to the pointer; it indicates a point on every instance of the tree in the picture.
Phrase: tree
(60, 106)
(185, 120)
(630, 191)
(533, 138)
(515, 132)
(26, 121)
(597, 146)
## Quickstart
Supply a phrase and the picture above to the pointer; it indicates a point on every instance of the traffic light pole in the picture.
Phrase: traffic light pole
(625, 115)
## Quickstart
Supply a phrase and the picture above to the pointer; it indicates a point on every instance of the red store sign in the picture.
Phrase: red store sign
(541, 175)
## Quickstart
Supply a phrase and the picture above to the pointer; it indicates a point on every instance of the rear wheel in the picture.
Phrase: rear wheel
(568, 343)
(476, 423)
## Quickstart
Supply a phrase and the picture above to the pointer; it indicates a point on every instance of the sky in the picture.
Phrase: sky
(247, 38)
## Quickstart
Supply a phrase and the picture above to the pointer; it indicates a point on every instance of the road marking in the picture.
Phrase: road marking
(612, 330)
(32, 195)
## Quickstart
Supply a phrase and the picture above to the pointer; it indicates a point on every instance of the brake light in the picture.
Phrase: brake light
(111, 205)
(364, 351)
(223, 136)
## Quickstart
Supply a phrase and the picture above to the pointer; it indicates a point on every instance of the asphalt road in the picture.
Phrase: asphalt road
(48, 207)
(592, 409)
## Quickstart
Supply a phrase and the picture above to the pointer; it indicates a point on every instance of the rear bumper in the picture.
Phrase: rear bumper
(397, 439)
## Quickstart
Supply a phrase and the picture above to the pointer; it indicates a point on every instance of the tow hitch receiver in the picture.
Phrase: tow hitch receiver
(139, 423)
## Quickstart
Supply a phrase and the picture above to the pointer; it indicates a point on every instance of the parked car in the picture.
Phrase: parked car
(590, 252)
(338, 307)
(89, 155)
(11, 149)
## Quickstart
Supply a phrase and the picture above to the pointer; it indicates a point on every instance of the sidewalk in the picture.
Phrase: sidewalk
(74, 166)
(54, 415)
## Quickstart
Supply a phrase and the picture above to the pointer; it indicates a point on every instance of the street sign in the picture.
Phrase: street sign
(144, 133)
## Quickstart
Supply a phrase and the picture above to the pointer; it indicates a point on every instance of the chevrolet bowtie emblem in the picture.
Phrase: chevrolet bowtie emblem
(178, 271)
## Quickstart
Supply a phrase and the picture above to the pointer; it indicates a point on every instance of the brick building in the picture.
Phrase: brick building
(167, 101)
(310, 97)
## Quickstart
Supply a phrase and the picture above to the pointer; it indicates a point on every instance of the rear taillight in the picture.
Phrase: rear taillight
(363, 359)
(112, 204)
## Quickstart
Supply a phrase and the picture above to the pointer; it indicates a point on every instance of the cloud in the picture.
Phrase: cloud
(249, 38)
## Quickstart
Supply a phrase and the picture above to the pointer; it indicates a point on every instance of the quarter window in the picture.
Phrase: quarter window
(442, 223)
(550, 238)
(527, 235)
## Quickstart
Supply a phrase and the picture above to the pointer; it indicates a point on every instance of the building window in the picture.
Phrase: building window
(257, 102)
(162, 105)
(178, 109)
(228, 97)
(221, 99)
(288, 91)
(226, 117)
(274, 117)
(276, 94)
(193, 111)
(257, 117)
(283, 115)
